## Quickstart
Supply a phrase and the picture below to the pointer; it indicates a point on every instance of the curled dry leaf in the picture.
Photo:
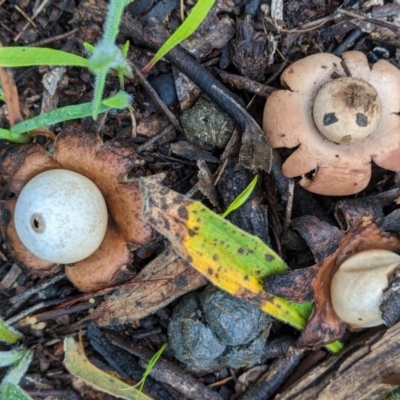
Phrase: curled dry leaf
(105, 164)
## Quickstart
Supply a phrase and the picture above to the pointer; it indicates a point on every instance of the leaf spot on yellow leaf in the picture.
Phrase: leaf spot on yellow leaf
(182, 212)
(269, 257)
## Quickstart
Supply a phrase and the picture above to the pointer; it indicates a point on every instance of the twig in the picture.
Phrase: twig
(166, 372)
(156, 98)
(367, 19)
(30, 310)
(10, 95)
(154, 139)
(37, 12)
(39, 287)
(289, 207)
(270, 382)
(53, 39)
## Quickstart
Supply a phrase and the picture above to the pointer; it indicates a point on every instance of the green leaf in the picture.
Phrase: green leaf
(77, 364)
(10, 357)
(191, 23)
(104, 57)
(88, 47)
(120, 100)
(242, 198)
(8, 334)
(9, 391)
(18, 370)
(19, 138)
(28, 56)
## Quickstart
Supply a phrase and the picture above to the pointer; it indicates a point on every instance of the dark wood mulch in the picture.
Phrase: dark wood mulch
(242, 47)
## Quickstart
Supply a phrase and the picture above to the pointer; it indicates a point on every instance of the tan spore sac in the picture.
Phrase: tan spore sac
(333, 158)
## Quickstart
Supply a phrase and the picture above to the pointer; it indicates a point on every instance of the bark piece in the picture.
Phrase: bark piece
(163, 280)
(349, 375)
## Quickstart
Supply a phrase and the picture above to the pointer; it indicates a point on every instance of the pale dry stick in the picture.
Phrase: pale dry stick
(53, 39)
(289, 207)
(367, 19)
(22, 12)
(39, 287)
(35, 14)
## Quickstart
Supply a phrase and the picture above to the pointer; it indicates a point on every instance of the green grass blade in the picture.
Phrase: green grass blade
(242, 198)
(191, 23)
(28, 56)
(67, 113)
(151, 364)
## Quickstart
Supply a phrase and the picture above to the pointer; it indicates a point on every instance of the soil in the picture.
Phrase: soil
(245, 45)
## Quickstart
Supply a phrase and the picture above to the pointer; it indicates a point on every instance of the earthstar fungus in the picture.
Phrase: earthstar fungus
(338, 114)
(354, 282)
(107, 165)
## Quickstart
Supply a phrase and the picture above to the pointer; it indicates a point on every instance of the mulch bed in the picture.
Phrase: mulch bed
(244, 46)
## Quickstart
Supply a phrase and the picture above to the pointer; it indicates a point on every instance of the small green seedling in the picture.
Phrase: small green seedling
(152, 362)
(105, 56)
(19, 133)
(241, 198)
(18, 360)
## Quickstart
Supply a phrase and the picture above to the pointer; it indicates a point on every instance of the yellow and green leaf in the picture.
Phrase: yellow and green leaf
(230, 258)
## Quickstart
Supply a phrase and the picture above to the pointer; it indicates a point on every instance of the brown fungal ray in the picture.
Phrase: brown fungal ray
(107, 165)
(348, 212)
(19, 164)
(294, 286)
(392, 222)
(105, 267)
(18, 251)
(322, 238)
(324, 325)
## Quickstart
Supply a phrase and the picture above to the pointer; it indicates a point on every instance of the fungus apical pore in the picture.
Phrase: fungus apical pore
(61, 216)
(347, 110)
